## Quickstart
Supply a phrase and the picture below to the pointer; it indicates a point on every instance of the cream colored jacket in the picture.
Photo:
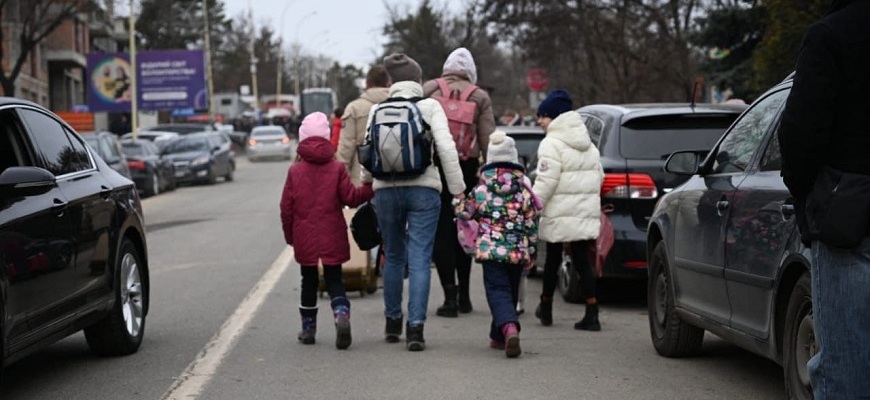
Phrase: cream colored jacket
(434, 115)
(353, 129)
(568, 181)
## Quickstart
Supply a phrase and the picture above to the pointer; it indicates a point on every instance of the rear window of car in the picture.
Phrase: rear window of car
(267, 132)
(133, 149)
(654, 138)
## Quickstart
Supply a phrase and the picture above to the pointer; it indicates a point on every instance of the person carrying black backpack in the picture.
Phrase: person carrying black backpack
(471, 120)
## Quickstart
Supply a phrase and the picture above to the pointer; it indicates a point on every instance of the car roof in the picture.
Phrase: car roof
(628, 112)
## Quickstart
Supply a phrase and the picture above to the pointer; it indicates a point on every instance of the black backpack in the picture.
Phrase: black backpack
(399, 142)
(364, 227)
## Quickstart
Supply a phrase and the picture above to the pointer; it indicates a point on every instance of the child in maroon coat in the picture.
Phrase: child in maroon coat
(316, 190)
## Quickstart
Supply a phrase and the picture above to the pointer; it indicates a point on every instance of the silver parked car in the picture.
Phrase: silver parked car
(269, 141)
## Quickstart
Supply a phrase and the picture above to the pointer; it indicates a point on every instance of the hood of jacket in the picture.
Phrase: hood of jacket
(406, 89)
(461, 63)
(570, 129)
(376, 94)
(503, 178)
(316, 150)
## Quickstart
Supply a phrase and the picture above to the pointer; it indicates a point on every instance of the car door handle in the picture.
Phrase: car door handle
(59, 206)
(722, 206)
(787, 211)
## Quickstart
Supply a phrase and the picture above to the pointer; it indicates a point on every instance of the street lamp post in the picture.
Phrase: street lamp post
(254, 60)
(298, 48)
(209, 77)
(134, 101)
(281, 55)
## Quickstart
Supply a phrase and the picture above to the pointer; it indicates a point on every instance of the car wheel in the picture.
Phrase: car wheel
(229, 176)
(569, 283)
(799, 344)
(122, 330)
(155, 185)
(671, 336)
(211, 179)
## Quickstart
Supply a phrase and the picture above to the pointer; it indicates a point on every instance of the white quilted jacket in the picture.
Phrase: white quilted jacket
(568, 182)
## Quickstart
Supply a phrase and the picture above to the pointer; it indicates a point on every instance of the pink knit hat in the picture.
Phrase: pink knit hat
(314, 125)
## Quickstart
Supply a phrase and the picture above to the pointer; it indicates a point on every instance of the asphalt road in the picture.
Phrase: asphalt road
(223, 323)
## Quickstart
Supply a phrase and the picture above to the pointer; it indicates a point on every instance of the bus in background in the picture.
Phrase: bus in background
(318, 99)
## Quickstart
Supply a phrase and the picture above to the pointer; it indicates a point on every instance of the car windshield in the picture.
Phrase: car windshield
(133, 149)
(185, 145)
(654, 138)
(267, 132)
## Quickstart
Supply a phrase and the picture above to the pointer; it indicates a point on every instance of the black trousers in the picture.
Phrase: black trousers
(579, 260)
(450, 260)
(311, 280)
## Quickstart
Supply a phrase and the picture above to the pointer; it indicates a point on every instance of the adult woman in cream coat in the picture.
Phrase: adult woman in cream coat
(569, 185)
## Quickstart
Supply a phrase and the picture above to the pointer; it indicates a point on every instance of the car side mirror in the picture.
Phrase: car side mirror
(26, 181)
(683, 163)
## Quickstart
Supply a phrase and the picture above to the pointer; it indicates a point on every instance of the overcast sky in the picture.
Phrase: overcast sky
(346, 30)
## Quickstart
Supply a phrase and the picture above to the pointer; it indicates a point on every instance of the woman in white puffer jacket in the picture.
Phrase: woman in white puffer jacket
(568, 181)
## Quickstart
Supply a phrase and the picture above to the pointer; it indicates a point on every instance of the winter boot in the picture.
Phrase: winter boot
(393, 330)
(309, 324)
(512, 340)
(341, 313)
(449, 309)
(464, 297)
(590, 320)
(414, 338)
(544, 312)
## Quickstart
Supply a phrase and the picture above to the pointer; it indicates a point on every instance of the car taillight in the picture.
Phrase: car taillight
(252, 142)
(136, 164)
(285, 140)
(628, 186)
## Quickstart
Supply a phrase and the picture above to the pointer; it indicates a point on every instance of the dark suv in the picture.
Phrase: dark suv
(634, 141)
(72, 243)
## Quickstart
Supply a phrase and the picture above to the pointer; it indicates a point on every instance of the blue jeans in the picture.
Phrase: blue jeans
(502, 284)
(841, 317)
(407, 217)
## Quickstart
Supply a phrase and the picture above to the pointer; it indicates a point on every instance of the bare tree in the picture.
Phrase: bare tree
(31, 21)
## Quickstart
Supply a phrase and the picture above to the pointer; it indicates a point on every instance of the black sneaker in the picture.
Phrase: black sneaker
(393, 330)
(415, 339)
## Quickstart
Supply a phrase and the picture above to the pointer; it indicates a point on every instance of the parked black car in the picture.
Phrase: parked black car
(73, 252)
(634, 141)
(151, 173)
(725, 254)
(108, 147)
(201, 157)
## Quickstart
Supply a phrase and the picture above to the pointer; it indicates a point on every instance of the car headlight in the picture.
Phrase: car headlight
(200, 161)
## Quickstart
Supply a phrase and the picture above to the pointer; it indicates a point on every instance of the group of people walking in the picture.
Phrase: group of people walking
(464, 170)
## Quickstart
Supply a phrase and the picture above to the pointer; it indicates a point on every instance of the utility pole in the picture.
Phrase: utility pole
(208, 69)
(254, 60)
(134, 101)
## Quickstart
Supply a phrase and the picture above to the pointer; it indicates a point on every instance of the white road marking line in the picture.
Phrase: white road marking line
(198, 374)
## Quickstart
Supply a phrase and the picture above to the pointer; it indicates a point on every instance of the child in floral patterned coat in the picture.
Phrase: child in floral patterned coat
(504, 206)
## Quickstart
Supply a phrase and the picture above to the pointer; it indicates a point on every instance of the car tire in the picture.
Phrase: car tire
(799, 343)
(154, 190)
(211, 179)
(671, 336)
(121, 331)
(229, 176)
(569, 283)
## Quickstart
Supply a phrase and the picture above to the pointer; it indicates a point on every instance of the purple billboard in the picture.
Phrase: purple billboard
(171, 79)
(109, 87)
(165, 80)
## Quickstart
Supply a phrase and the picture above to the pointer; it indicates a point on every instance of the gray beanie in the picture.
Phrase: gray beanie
(402, 68)
(501, 148)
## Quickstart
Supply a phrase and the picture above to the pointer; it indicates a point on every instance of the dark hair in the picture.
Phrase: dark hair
(377, 77)
(338, 112)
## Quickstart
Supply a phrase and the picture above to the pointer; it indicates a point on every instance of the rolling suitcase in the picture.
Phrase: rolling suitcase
(358, 274)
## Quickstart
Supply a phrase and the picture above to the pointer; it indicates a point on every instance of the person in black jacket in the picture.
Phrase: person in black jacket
(824, 138)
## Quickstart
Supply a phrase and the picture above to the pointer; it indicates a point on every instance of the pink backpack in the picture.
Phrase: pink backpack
(467, 234)
(460, 116)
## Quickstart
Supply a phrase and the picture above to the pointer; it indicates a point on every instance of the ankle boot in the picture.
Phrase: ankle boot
(590, 320)
(393, 330)
(341, 312)
(464, 303)
(449, 309)
(309, 325)
(544, 312)
(414, 338)
(512, 340)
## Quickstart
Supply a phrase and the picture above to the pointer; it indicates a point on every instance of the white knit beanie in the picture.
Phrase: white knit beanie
(501, 148)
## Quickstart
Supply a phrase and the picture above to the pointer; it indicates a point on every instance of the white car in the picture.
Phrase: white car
(268, 141)
(159, 138)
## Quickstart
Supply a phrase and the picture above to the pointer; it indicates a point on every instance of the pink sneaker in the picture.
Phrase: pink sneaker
(512, 340)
